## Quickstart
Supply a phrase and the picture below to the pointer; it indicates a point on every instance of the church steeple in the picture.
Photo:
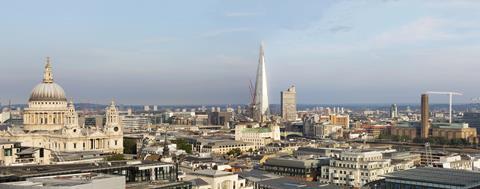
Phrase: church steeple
(47, 74)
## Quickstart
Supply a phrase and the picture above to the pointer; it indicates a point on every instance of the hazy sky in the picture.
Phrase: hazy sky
(204, 52)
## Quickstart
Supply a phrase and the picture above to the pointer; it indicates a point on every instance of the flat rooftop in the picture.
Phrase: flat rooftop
(289, 183)
(63, 180)
(43, 170)
(453, 177)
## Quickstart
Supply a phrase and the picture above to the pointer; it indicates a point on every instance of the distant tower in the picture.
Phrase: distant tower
(425, 116)
(288, 102)
(146, 108)
(262, 110)
(393, 111)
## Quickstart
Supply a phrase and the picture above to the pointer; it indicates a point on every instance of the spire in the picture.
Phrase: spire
(261, 89)
(166, 150)
(47, 74)
(261, 50)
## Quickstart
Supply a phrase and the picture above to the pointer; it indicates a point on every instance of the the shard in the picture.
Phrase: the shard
(262, 110)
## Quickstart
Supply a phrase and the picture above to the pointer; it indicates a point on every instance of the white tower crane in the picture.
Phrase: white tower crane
(450, 95)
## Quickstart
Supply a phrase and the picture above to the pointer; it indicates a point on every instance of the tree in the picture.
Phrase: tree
(182, 144)
(234, 152)
(115, 157)
(129, 146)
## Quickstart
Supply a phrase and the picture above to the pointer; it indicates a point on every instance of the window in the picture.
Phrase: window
(115, 142)
(7, 152)
(75, 145)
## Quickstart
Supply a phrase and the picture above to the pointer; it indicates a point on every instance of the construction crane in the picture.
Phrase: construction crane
(450, 95)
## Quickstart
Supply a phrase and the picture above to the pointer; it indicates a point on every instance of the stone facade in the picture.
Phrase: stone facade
(52, 123)
(356, 168)
(258, 136)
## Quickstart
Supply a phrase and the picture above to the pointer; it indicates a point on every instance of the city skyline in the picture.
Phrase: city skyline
(334, 52)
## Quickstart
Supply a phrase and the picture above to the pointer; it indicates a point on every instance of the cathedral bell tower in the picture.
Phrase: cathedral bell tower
(112, 124)
(71, 116)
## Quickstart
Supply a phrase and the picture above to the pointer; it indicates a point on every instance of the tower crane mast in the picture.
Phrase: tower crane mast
(450, 95)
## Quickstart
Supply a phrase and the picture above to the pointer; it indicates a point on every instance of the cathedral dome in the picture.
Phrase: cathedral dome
(48, 90)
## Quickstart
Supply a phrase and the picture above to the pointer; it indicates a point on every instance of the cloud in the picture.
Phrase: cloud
(423, 29)
(338, 29)
(241, 14)
(219, 32)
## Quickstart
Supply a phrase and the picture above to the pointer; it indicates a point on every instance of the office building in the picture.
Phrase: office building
(258, 136)
(288, 102)
(355, 168)
(393, 111)
(304, 169)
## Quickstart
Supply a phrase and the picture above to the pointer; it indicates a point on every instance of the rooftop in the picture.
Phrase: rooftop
(8, 142)
(290, 183)
(297, 163)
(452, 177)
(257, 130)
(257, 175)
(43, 170)
(416, 124)
(63, 180)
(212, 173)
(157, 185)
(198, 182)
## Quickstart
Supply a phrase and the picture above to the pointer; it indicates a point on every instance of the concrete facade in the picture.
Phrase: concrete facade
(288, 104)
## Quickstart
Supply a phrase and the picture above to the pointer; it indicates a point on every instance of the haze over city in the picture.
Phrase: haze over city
(206, 52)
(253, 94)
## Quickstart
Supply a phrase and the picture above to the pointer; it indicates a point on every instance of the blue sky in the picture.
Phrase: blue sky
(206, 52)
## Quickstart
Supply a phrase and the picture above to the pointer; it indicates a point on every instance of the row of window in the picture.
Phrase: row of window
(48, 103)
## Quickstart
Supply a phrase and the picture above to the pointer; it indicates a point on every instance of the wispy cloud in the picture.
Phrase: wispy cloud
(241, 14)
(215, 33)
(423, 29)
(338, 29)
